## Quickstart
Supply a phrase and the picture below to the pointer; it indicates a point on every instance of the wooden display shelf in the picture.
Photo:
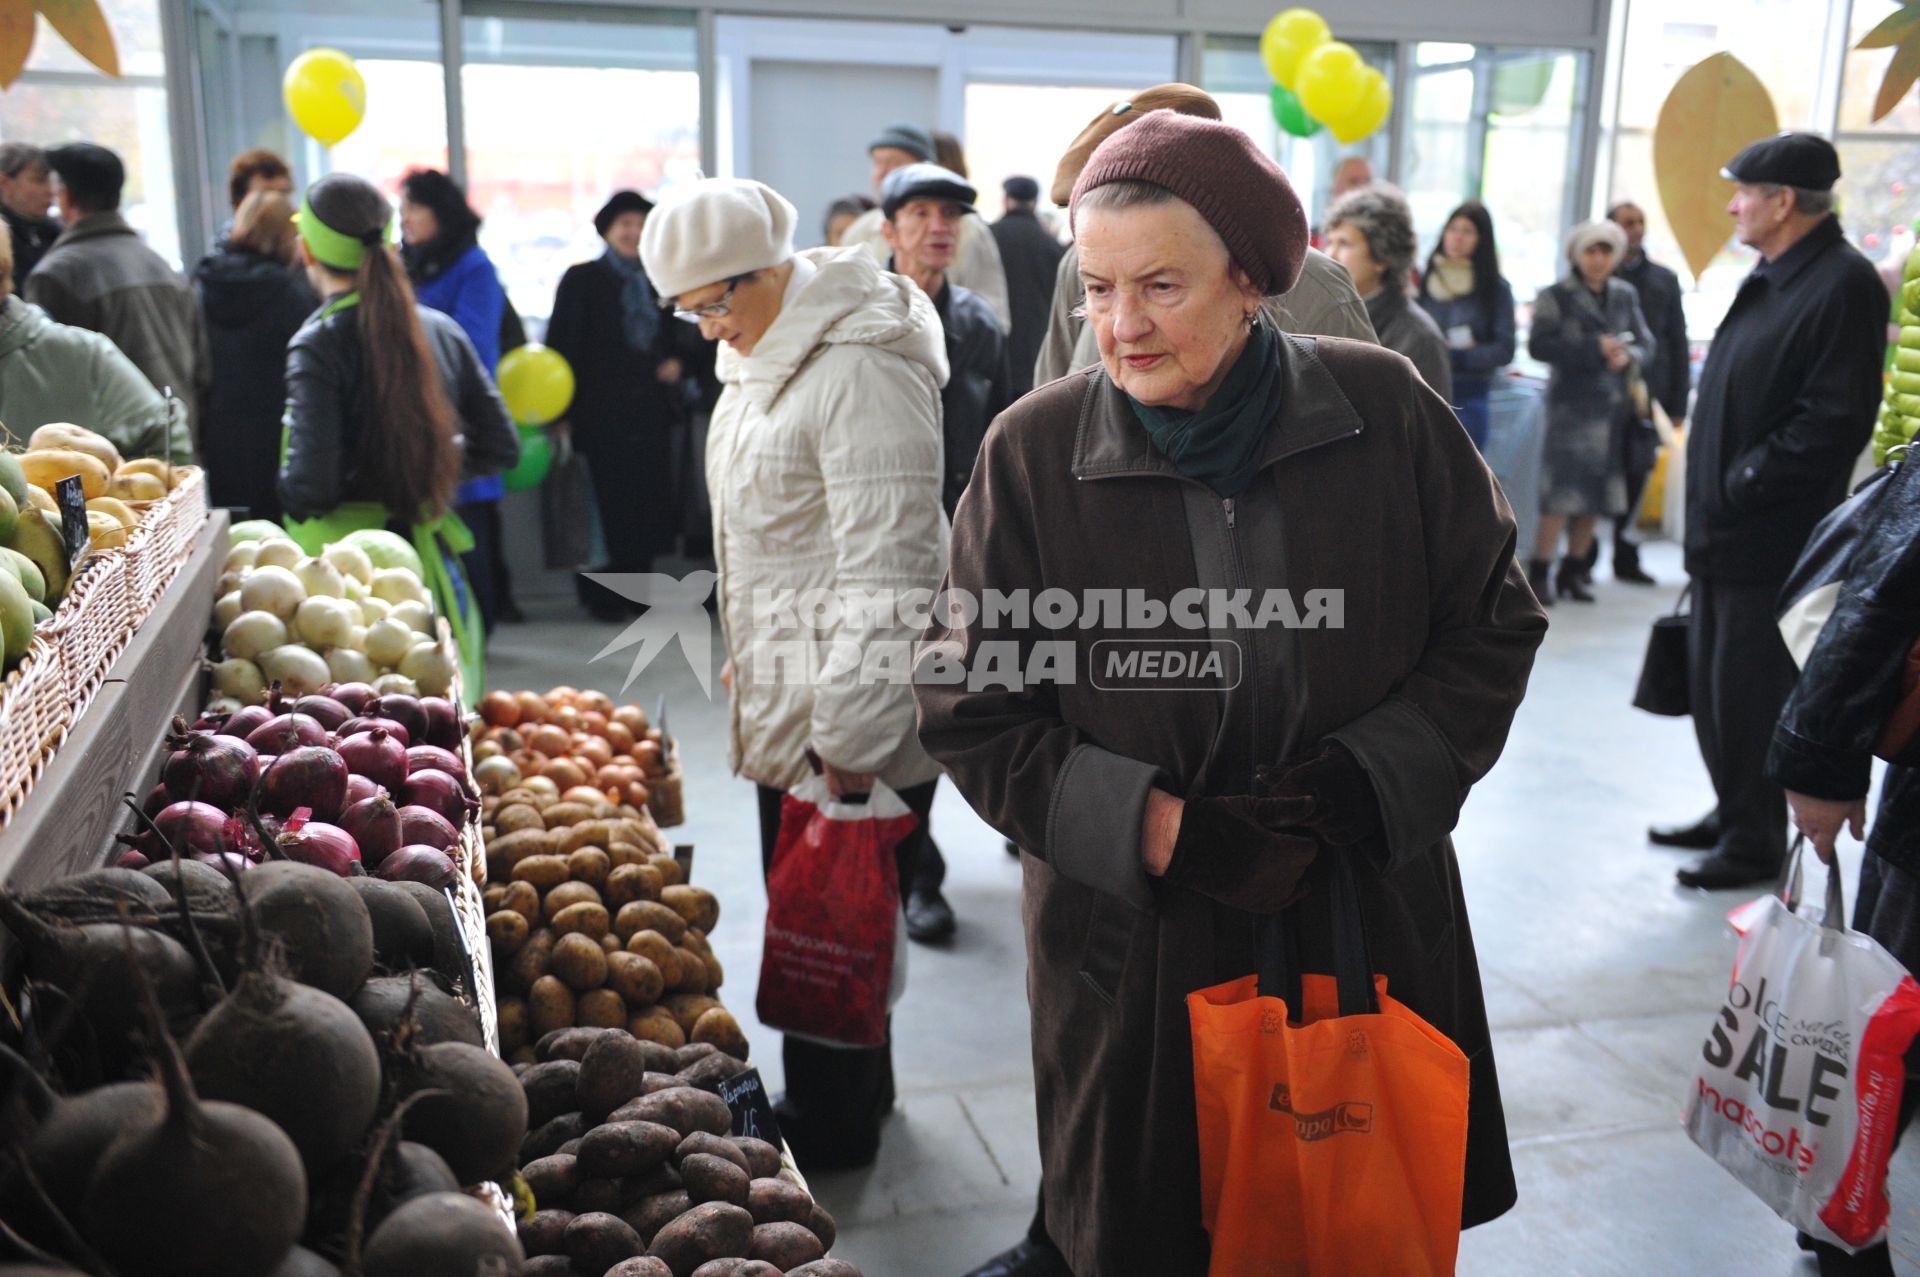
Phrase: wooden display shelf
(68, 822)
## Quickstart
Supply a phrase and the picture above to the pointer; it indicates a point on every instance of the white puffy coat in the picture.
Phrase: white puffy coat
(824, 466)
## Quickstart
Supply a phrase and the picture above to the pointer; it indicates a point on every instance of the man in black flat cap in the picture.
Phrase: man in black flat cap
(1786, 404)
(1031, 256)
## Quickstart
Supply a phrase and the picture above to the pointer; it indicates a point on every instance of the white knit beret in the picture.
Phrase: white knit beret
(714, 229)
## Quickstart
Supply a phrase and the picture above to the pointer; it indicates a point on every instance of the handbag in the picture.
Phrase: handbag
(1796, 1090)
(1664, 675)
(1332, 1119)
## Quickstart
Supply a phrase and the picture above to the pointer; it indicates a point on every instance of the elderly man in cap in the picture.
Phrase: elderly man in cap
(1031, 255)
(1323, 302)
(976, 264)
(1786, 403)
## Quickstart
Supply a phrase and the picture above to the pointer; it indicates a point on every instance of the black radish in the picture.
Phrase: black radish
(93, 964)
(442, 1235)
(96, 896)
(301, 1262)
(325, 934)
(402, 936)
(449, 955)
(470, 1109)
(429, 1014)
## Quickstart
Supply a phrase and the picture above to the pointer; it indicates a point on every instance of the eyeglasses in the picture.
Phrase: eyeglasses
(717, 309)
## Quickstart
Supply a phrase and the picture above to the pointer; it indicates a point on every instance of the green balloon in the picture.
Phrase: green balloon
(1290, 115)
(536, 458)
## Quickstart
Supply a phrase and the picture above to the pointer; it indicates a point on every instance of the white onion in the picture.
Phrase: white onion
(396, 685)
(320, 577)
(397, 585)
(223, 705)
(272, 589)
(251, 633)
(240, 557)
(226, 609)
(230, 582)
(429, 665)
(277, 553)
(349, 666)
(372, 609)
(323, 622)
(357, 639)
(387, 641)
(240, 679)
(415, 615)
(300, 671)
(351, 560)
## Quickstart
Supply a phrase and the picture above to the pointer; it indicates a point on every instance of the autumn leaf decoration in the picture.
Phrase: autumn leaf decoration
(1901, 33)
(79, 22)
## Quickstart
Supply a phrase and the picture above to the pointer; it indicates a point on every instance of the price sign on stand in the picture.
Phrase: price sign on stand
(72, 500)
(752, 1108)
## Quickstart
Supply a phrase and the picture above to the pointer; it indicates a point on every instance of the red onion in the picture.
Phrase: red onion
(356, 726)
(131, 860)
(355, 696)
(226, 862)
(193, 828)
(377, 755)
(437, 791)
(421, 757)
(311, 776)
(419, 864)
(444, 727)
(287, 732)
(261, 762)
(323, 710)
(427, 827)
(402, 709)
(359, 789)
(243, 721)
(213, 769)
(159, 798)
(318, 843)
(375, 824)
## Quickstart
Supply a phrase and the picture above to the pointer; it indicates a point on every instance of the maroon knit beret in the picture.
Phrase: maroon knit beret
(1215, 167)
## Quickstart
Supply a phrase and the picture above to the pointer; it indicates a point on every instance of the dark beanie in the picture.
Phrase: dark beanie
(1217, 169)
(620, 202)
(916, 142)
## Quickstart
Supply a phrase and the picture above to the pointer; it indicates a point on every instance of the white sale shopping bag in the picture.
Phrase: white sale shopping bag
(1798, 1084)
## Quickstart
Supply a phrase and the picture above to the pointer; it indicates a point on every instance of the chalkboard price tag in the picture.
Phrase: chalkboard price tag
(683, 855)
(72, 500)
(752, 1107)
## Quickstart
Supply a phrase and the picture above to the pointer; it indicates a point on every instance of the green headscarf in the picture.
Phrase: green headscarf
(333, 249)
(1220, 445)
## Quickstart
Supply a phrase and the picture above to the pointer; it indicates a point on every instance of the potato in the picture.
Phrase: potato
(513, 846)
(548, 1139)
(550, 1004)
(626, 1148)
(696, 904)
(612, 1072)
(716, 974)
(694, 1052)
(627, 883)
(549, 1089)
(524, 899)
(543, 871)
(567, 894)
(651, 1214)
(566, 814)
(627, 853)
(603, 1195)
(655, 1025)
(611, 943)
(650, 915)
(642, 1266)
(635, 978)
(588, 919)
(736, 1268)
(579, 960)
(821, 1225)
(709, 1073)
(494, 898)
(602, 1009)
(774, 1201)
(528, 797)
(552, 1179)
(763, 1159)
(670, 870)
(720, 1028)
(514, 818)
(516, 1028)
(715, 1230)
(696, 940)
(710, 1178)
(589, 865)
(717, 1145)
(693, 972)
(597, 1241)
(541, 1234)
(593, 832)
(823, 1268)
(533, 961)
(568, 1044)
(506, 932)
(784, 1245)
(557, 1265)
(683, 1108)
(687, 1008)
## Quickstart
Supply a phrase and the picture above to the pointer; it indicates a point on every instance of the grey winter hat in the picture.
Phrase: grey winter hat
(912, 182)
(916, 142)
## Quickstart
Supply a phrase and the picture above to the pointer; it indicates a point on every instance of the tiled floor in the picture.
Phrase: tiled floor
(1601, 977)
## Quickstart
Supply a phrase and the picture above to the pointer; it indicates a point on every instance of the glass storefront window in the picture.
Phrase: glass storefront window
(1019, 129)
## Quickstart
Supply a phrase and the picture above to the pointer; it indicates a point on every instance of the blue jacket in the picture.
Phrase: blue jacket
(469, 290)
(1493, 337)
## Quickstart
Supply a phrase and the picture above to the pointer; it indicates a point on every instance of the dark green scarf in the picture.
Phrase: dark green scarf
(1221, 444)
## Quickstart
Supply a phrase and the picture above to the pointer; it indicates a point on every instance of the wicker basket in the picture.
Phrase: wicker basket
(93, 625)
(470, 859)
(35, 715)
(160, 546)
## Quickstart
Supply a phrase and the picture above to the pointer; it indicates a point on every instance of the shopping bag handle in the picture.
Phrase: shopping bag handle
(1279, 950)
(1791, 884)
(1680, 604)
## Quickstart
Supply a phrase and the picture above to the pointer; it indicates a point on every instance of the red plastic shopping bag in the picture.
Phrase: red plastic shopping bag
(833, 909)
(1797, 1087)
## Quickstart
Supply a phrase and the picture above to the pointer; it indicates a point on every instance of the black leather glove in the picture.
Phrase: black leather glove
(1344, 808)
(1242, 851)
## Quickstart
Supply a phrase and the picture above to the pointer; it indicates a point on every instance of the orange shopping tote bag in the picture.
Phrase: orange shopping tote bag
(1333, 1142)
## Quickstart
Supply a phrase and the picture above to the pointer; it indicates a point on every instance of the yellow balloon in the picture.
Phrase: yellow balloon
(1291, 35)
(1376, 104)
(325, 94)
(1331, 81)
(536, 383)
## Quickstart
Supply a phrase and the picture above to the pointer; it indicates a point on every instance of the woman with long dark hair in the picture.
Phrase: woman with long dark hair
(1463, 290)
(388, 406)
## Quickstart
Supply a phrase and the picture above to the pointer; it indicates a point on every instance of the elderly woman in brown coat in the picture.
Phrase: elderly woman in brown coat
(1309, 511)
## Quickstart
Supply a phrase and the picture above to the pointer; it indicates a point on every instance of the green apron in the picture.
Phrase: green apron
(438, 542)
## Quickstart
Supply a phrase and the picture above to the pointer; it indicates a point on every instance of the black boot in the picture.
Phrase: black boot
(1538, 576)
(1626, 563)
(1570, 581)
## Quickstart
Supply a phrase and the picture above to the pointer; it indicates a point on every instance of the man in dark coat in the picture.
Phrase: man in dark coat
(1031, 256)
(923, 205)
(1669, 371)
(26, 202)
(1787, 400)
